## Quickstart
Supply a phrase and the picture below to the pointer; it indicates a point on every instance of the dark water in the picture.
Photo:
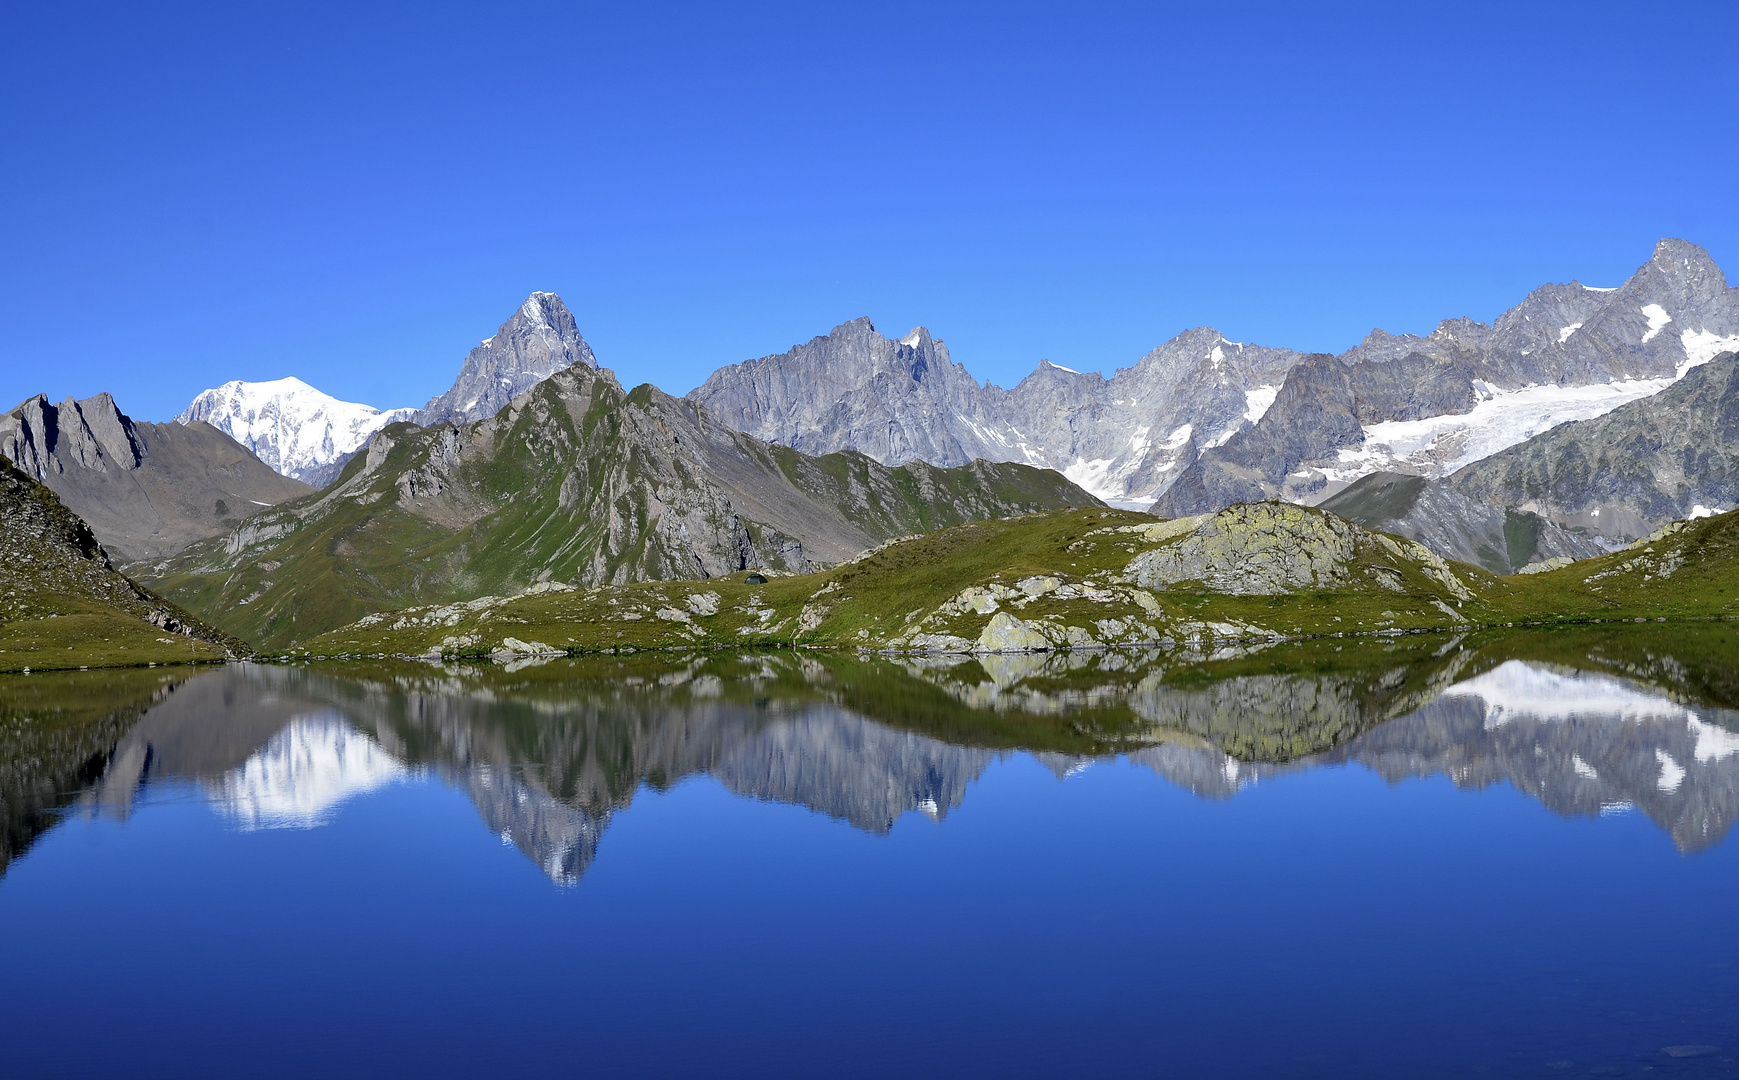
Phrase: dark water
(1485, 856)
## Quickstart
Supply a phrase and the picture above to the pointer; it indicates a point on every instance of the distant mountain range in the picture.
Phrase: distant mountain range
(1202, 422)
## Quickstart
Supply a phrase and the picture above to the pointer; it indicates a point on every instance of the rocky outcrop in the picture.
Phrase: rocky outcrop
(1268, 549)
(538, 341)
(146, 490)
(575, 481)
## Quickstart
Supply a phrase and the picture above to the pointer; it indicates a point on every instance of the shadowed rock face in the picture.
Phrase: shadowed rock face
(146, 490)
(49, 556)
(1498, 538)
(538, 341)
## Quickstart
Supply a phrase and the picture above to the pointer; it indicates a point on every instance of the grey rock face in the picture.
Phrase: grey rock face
(1499, 538)
(538, 341)
(1623, 475)
(906, 400)
(1190, 425)
(147, 490)
(1671, 316)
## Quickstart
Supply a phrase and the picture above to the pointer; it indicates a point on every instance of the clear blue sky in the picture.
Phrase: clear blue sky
(356, 194)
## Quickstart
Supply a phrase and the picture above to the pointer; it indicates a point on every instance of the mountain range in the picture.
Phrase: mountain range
(575, 482)
(146, 490)
(1202, 422)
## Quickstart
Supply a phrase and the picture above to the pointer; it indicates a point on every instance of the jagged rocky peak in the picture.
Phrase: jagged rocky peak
(43, 439)
(292, 427)
(146, 489)
(539, 340)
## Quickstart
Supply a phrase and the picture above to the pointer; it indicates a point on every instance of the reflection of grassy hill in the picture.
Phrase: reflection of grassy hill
(56, 731)
(63, 605)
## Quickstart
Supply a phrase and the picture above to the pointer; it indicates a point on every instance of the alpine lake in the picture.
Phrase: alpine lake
(1500, 854)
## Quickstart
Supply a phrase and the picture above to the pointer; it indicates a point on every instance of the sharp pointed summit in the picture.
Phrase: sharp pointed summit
(538, 341)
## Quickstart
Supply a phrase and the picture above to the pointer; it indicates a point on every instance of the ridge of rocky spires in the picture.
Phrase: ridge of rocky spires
(539, 340)
(145, 489)
(905, 400)
(1432, 405)
(1180, 426)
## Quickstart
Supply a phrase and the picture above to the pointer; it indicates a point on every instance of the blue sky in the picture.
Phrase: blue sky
(356, 194)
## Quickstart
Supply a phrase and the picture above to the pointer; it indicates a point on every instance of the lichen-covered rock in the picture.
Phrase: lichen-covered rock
(1005, 633)
(1255, 549)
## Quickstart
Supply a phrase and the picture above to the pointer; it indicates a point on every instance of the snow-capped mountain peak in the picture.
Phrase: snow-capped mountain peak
(291, 426)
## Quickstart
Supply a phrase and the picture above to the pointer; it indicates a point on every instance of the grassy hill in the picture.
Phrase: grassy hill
(64, 605)
(1082, 578)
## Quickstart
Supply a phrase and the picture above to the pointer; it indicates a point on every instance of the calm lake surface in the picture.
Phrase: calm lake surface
(1501, 856)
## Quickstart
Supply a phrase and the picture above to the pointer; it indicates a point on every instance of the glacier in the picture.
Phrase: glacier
(291, 426)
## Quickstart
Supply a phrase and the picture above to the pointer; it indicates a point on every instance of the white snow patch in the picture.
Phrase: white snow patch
(1700, 511)
(1564, 334)
(1657, 320)
(1257, 402)
(1596, 288)
(1701, 346)
(1583, 769)
(1091, 476)
(1060, 367)
(1218, 356)
(1713, 743)
(1518, 690)
(1672, 773)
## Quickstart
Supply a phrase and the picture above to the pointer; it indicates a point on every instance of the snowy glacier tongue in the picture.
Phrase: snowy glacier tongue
(291, 426)
(1438, 445)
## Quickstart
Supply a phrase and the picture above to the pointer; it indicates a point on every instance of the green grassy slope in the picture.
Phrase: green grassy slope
(1066, 575)
(577, 481)
(62, 605)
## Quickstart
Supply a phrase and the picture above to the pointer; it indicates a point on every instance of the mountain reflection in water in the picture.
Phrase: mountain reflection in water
(1585, 723)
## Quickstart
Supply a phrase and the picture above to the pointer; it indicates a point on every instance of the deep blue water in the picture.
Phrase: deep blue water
(298, 877)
